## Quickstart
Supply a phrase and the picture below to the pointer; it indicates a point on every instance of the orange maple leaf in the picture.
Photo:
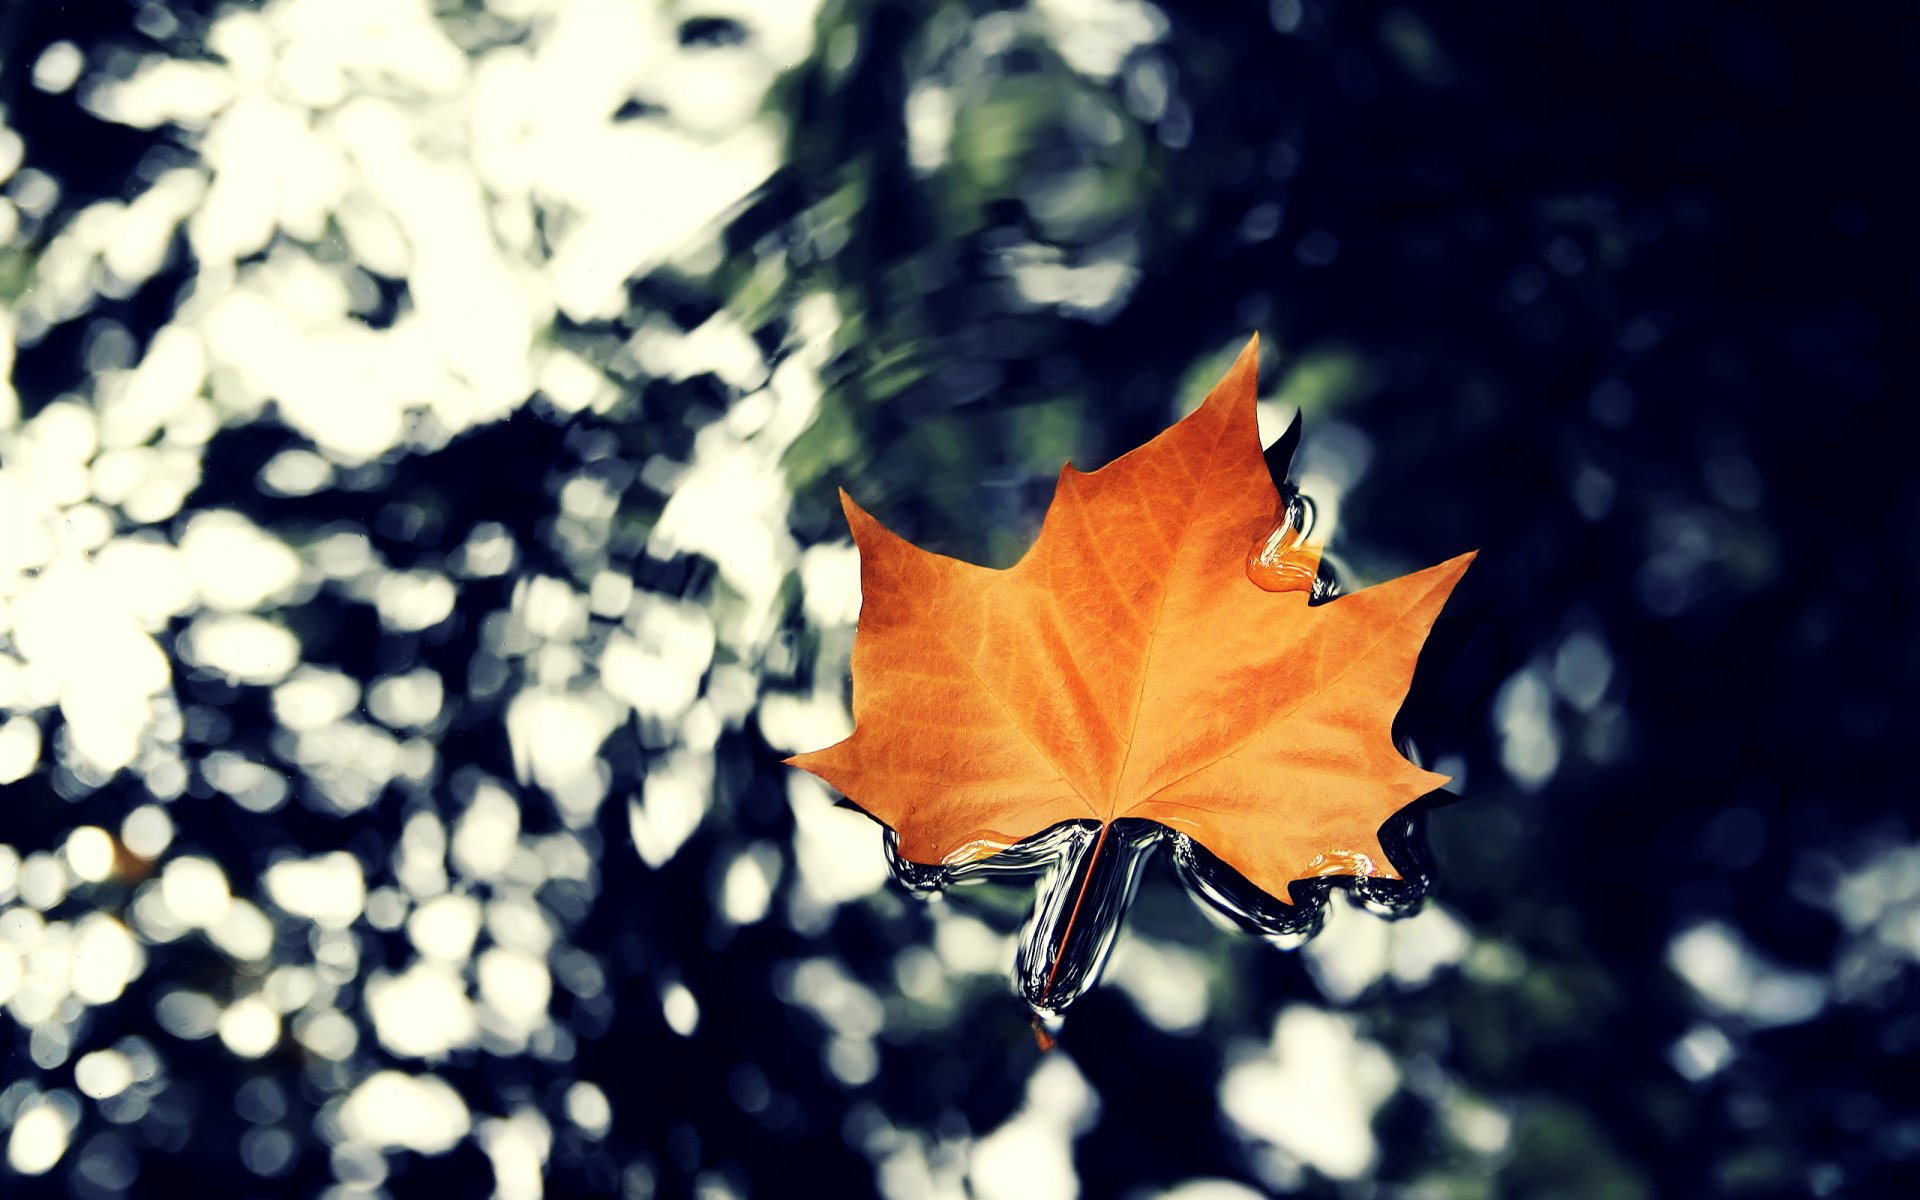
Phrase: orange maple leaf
(1126, 666)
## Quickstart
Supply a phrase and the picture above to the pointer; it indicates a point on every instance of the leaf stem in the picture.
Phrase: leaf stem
(1060, 950)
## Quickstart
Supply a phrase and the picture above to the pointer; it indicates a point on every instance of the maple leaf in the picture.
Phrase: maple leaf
(1152, 655)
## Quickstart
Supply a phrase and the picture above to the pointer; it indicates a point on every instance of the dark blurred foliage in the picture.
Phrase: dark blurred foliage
(1663, 251)
(1625, 293)
(1632, 284)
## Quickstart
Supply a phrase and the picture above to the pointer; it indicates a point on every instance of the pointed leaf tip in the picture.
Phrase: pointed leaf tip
(1447, 572)
(858, 519)
(1240, 386)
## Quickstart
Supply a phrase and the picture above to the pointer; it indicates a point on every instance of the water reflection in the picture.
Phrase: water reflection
(1084, 876)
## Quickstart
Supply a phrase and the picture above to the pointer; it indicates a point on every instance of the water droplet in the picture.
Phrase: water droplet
(1088, 873)
(1231, 900)
(1280, 560)
(1081, 900)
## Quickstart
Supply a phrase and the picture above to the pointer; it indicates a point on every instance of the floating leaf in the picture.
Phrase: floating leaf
(1154, 655)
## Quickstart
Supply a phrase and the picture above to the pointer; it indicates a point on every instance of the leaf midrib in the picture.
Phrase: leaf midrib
(1153, 631)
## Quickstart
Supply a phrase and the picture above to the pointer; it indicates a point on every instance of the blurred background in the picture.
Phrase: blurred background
(419, 435)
